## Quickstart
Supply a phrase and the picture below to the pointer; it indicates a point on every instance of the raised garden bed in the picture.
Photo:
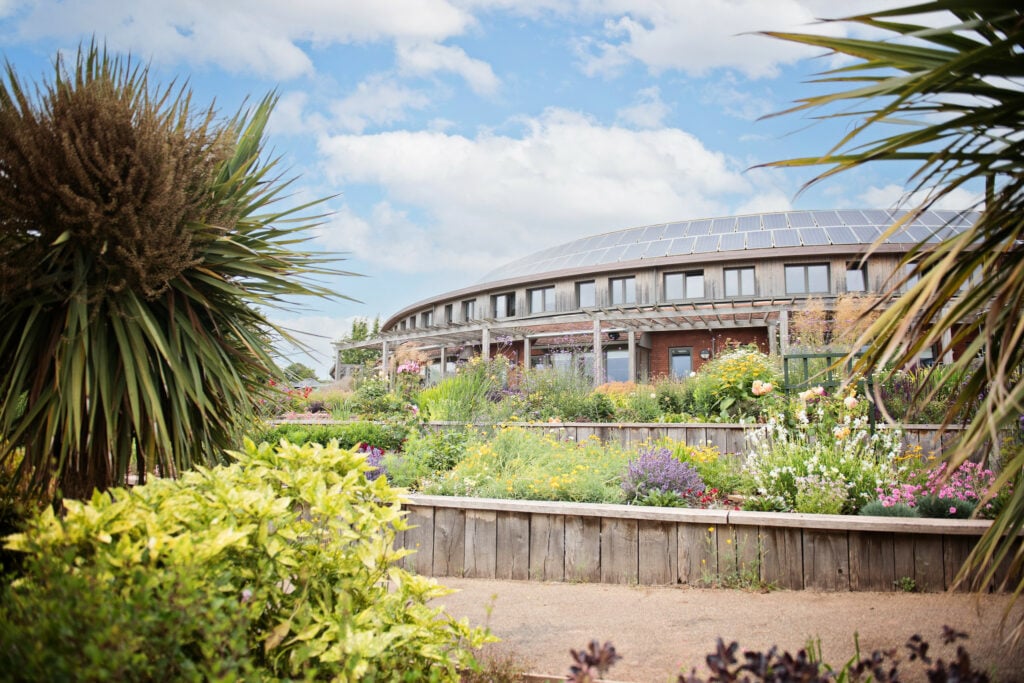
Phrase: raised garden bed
(534, 540)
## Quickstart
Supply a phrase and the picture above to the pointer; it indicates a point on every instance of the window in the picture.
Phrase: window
(412, 322)
(503, 305)
(401, 325)
(623, 290)
(807, 279)
(680, 361)
(739, 281)
(586, 294)
(449, 314)
(684, 286)
(856, 277)
(542, 300)
(616, 365)
(469, 310)
(911, 275)
(426, 318)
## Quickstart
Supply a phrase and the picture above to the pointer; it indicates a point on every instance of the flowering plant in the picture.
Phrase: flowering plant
(658, 470)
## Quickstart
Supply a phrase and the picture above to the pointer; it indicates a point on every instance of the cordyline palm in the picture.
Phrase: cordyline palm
(949, 99)
(138, 250)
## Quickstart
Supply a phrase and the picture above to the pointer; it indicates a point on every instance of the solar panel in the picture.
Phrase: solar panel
(628, 237)
(841, 234)
(852, 217)
(558, 263)
(702, 227)
(732, 241)
(748, 223)
(656, 249)
(786, 238)
(902, 236)
(633, 252)
(877, 217)
(801, 219)
(813, 236)
(920, 233)
(775, 220)
(706, 243)
(683, 245)
(760, 239)
(826, 218)
(723, 225)
(576, 259)
(673, 230)
(608, 240)
(931, 219)
(592, 258)
(652, 233)
(866, 234)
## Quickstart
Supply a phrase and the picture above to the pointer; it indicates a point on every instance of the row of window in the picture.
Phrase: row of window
(738, 282)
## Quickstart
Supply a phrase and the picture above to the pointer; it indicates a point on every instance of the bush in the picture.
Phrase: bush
(944, 507)
(389, 437)
(373, 400)
(722, 388)
(282, 563)
(464, 396)
(657, 470)
(877, 508)
(426, 455)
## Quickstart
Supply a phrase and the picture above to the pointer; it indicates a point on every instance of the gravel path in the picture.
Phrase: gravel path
(661, 631)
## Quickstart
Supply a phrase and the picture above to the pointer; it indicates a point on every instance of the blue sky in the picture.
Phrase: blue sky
(457, 135)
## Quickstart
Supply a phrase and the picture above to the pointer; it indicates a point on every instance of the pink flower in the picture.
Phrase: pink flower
(850, 402)
(760, 388)
(952, 510)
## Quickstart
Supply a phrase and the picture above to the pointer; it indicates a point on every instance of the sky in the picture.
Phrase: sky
(453, 136)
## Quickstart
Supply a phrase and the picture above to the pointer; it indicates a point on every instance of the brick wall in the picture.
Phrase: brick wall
(716, 340)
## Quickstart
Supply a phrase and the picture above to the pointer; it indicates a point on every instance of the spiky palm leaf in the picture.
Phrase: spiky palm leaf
(949, 98)
(140, 248)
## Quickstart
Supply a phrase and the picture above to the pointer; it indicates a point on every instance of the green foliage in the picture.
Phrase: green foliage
(140, 254)
(527, 465)
(464, 396)
(361, 331)
(388, 436)
(718, 472)
(945, 507)
(816, 494)
(555, 393)
(723, 387)
(425, 455)
(373, 400)
(877, 509)
(296, 372)
(280, 565)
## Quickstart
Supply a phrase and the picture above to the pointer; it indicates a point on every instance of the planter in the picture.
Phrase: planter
(549, 541)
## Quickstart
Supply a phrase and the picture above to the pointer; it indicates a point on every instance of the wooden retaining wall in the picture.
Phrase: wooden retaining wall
(727, 437)
(533, 540)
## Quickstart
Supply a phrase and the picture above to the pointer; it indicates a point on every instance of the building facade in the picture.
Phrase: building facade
(660, 300)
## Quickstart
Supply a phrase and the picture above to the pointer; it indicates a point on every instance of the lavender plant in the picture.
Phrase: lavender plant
(658, 470)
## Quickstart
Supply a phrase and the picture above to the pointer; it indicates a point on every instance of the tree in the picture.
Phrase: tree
(950, 100)
(140, 246)
(361, 331)
(296, 372)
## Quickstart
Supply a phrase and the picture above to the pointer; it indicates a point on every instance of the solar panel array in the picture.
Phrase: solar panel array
(737, 233)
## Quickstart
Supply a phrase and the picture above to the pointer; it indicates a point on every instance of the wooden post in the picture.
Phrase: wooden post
(384, 361)
(598, 360)
(783, 332)
(444, 362)
(485, 343)
(631, 338)
(526, 353)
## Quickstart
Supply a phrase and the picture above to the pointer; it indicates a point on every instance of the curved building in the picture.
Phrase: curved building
(662, 299)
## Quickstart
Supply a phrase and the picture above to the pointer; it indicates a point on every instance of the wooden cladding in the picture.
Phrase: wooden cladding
(544, 541)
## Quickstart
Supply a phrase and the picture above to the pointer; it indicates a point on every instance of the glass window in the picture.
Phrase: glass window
(503, 305)
(469, 310)
(542, 300)
(808, 279)
(412, 322)
(623, 290)
(616, 365)
(680, 361)
(426, 319)
(586, 294)
(684, 286)
(449, 312)
(856, 277)
(739, 281)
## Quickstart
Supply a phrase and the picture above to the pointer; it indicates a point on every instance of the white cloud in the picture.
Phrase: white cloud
(649, 111)
(425, 58)
(895, 196)
(251, 36)
(737, 101)
(481, 201)
(315, 332)
(288, 117)
(378, 100)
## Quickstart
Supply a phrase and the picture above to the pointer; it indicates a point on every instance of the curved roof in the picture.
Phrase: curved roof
(737, 233)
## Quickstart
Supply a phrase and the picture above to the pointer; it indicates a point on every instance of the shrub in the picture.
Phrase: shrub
(465, 396)
(722, 388)
(658, 470)
(389, 437)
(817, 494)
(944, 507)
(718, 472)
(877, 508)
(374, 400)
(426, 455)
(282, 563)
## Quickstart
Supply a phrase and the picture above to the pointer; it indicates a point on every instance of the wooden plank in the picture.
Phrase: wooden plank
(619, 551)
(1004, 579)
(658, 554)
(481, 560)
(719, 438)
(512, 555)
(696, 436)
(420, 538)
(872, 561)
(903, 560)
(826, 561)
(955, 550)
(782, 562)
(584, 433)
(929, 573)
(449, 542)
(698, 554)
(748, 554)
(582, 549)
(638, 436)
(547, 547)
(735, 441)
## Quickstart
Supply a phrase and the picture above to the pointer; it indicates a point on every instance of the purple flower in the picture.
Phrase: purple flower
(374, 458)
(659, 470)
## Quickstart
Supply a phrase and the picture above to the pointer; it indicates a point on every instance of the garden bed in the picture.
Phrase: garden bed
(554, 541)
